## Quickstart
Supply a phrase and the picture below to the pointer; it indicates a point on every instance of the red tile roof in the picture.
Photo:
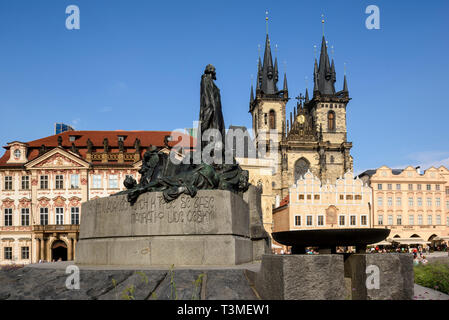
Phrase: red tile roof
(147, 138)
(284, 201)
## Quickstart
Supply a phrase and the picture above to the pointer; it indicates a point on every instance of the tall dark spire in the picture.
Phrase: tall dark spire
(285, 86)
(345, 86)
(326, 72)
(251, 98)
(268, 81)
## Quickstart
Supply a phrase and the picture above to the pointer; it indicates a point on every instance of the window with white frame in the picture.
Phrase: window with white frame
(380, 201)
(43, 182)
(113, 181)
(75, 215)
(25, 182)
(8, 183)
(380, 219)
(8, 217)
(297, 220)
(390, 219)
(429, 220)
(25, 216)
(411, 220)
(59, 182)
(363, 220)
(399, 219)
(438, 222)
(44, 216)
(96, 181)
(320, 220)
(390, 201)
(341, 220)
(309, 220)
(59, 215)
(74, 181)
(352, 220)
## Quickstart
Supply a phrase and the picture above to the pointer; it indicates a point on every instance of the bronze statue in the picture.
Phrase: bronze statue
(158, 173)
(211, 115)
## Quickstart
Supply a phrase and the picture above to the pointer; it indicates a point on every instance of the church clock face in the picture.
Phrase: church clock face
(301, 119)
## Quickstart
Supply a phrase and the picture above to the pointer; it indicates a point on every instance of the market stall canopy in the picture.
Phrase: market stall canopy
(381, 243)
(443, 238)
(408, 241)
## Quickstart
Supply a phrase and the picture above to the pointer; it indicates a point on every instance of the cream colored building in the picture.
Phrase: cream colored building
(43, 183)
(414, 205)
(313, 205)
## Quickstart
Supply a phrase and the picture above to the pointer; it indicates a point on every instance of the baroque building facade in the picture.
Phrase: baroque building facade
(43, 183)
(413, 204)
(313, 138)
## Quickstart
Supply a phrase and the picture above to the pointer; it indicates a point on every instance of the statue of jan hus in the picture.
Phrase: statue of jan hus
(161, 174)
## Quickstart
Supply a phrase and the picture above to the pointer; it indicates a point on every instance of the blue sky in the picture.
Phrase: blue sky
(136, 65)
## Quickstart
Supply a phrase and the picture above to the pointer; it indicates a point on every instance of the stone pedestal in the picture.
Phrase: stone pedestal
(213, 228)
(301, 277)
(382, 276)
(259, 236)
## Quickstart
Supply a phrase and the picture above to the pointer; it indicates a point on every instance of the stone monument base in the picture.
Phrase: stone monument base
(191, 250)
(301, 277)
(213, 228)
(380, 276)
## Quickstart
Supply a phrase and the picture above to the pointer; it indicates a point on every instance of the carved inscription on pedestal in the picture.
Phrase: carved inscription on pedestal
(152, 210)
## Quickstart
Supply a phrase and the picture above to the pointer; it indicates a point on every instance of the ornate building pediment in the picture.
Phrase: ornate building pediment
(57, 158)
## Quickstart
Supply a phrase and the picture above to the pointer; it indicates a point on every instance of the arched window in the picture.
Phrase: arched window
(272, 119)
(331, 121)
(301, 167)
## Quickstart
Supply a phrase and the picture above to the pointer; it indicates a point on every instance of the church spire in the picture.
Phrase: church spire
(251, 98)
(285, 86)
(345, 86)
(326, 72)
(268, 83)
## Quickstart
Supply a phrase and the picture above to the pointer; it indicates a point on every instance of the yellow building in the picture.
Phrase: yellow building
(313, 205)
(43, 183)
(414, 205)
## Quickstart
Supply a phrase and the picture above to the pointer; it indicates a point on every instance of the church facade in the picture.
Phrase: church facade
(312, 137)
